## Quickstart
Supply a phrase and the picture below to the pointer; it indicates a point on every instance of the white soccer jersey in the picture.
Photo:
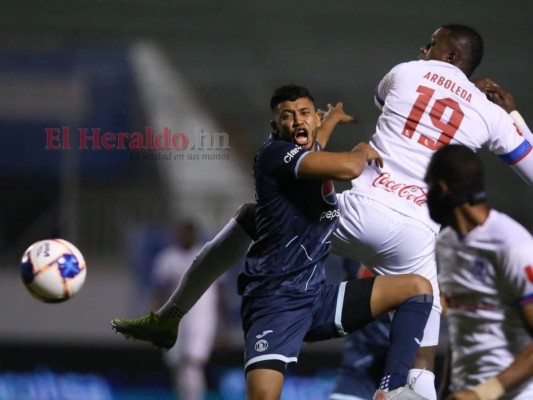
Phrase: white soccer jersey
(427, 104)
(486, 276)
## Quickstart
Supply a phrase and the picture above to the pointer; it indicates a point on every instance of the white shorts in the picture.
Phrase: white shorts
(390, 243)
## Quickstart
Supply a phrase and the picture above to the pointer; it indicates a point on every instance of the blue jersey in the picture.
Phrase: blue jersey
(294, 220)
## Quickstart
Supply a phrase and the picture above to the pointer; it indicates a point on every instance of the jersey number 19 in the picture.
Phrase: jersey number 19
(447, 129)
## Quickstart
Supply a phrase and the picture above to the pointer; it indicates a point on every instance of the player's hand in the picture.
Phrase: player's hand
(496, 94)
(482, 82)
(371, 154)
(337, 113)
(463, 395)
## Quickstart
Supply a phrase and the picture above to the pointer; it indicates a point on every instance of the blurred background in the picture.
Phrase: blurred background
(202, 74)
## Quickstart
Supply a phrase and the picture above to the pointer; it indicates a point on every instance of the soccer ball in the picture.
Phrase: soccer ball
(53, 270)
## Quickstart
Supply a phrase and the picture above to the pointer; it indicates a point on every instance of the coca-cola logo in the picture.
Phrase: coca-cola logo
(413, 193)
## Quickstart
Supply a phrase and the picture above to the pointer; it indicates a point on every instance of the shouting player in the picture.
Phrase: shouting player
(285, 299)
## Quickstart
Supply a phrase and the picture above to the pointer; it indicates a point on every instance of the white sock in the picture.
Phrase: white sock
(216, 257)
(422, 382)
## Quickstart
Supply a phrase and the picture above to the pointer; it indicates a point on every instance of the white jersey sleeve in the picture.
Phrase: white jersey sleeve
(521, 161)
(517, 258)
(383, 88)
(524, 166)
(508, 142)
(521, 125)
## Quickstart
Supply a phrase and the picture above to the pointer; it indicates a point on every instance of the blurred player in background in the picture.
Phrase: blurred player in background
(188, 357)
(384, 222)
(485, 262)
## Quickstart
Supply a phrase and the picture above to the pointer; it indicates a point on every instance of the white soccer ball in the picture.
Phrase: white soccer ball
(53, 270)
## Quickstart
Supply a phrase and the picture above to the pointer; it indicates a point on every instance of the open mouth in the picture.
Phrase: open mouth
(301, 137)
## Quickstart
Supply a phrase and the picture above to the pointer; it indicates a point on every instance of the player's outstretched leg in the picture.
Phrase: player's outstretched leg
(216, 257)
(160, 331)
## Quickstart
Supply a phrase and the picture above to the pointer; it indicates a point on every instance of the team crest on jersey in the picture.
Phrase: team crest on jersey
(480, 269)
(328, 192)
(261, 345)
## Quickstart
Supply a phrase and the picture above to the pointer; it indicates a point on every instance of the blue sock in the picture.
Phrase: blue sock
(406, 332)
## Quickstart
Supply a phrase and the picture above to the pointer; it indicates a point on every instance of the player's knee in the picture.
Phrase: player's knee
(418, 285)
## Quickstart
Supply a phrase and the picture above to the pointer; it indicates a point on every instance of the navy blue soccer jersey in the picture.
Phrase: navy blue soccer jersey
(294, 220)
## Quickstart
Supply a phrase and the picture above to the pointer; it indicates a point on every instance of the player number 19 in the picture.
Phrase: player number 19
(447, 129)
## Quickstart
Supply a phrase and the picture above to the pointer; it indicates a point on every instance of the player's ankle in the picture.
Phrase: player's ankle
(171, 311)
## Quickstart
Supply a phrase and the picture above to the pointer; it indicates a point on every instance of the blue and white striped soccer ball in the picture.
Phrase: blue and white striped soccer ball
(53, 270)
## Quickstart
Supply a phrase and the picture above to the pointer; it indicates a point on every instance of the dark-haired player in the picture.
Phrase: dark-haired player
(285, 298)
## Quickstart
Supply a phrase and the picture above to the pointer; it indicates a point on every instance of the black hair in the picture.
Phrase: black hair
(472, 42)
(462, 171)
(290, 93)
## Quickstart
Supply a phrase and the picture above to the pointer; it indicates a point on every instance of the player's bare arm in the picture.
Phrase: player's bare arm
(330, 118)
(496, 94)
(341, 166)
(521, 368)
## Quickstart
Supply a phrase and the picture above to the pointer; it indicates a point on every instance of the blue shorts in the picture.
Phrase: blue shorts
(275, 326)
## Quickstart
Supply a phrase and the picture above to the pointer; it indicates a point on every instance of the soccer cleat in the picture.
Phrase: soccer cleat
(160, 331)
(401, 393)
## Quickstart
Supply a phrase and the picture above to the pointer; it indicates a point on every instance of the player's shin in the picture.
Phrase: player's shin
(406, 333)
(216, 257)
